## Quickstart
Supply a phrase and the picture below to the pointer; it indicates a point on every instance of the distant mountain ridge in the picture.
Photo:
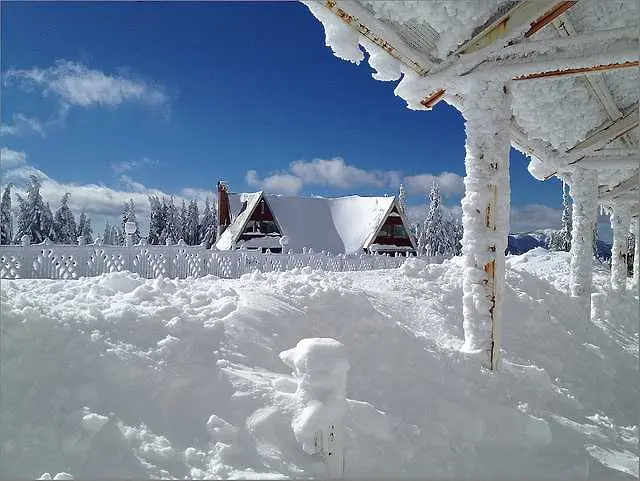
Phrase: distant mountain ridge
(519, 243)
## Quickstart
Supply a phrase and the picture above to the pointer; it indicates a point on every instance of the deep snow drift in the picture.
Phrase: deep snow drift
(116, 376)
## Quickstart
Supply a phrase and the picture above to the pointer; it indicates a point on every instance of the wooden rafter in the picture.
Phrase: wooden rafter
(580, 70)
(623, 187)
(604, 136)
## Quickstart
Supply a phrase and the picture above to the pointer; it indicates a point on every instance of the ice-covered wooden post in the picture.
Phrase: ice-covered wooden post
(320, 366)
(584, 191)
(485, 215)
(620, 220)
(635, 226)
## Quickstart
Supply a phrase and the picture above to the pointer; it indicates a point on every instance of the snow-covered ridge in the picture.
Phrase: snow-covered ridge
(178, 378)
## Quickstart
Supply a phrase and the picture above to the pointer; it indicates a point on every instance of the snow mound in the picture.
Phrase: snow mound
(120, 377)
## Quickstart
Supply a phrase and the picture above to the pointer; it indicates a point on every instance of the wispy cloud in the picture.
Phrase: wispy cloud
(336, 173)
(11, 158)
(282, 183)
(74, 85)
(129, 165)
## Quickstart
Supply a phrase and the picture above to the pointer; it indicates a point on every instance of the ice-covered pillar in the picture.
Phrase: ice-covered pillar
(635, 227)
(485, 216)
(584, 191)
(620, 220)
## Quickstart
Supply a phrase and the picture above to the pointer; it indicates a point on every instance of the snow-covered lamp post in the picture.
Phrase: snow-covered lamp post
(620, 220)
(130, 228)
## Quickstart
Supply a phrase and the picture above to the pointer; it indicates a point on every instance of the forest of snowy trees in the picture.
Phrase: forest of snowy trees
(167, 224)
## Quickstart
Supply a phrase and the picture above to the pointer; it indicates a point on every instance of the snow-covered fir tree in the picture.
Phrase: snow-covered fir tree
(183, 221)
(208, 225)
(402, 198)
(129, 215)
(439, 235)
(561, 240)
(173, 228)
(6, 218)
(192, 223)
(106, 235)
(116, 236)
(33, 215)
(64, 224)
(157, 221)
(84, 227)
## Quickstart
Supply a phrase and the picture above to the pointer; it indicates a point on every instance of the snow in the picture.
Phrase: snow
(189, 377)
(340, 225)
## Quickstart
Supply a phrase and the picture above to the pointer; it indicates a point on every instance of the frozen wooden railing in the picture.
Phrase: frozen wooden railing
(55, 261)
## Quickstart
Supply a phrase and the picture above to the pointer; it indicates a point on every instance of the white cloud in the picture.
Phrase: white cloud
(336, 173)
(10, 159)
(128, 165)
(22, 125)
(73, 84)
(534, 216)
(77, 85)
(282, 183)
(450, 183)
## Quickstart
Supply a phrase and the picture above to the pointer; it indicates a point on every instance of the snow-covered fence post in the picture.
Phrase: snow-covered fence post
(485, 215)
(320, 366)
(620, 220)
(584, 191)
(26, 260)
(597, 307)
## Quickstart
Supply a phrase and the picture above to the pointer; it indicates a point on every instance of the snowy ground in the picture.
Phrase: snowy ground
(116, 376)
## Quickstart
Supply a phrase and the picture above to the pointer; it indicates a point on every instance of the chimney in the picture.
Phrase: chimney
(223, 208)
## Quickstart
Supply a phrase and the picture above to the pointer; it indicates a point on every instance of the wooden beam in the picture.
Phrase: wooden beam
(623, 187)
(604, 160)
(548, 17)
(511, 23)
(578, 70)
(604, 136)
(433, 99)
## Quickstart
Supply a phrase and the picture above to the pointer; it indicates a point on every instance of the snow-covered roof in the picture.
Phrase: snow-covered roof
(336, 225)
(574, 67)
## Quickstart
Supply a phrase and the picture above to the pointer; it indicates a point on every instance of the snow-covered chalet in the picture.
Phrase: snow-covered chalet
(341, 225)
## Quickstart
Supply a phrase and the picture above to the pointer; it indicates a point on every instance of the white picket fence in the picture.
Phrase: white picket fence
(54, 261)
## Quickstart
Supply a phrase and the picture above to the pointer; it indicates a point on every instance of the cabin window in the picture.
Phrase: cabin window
(268, 227)
(400, 232)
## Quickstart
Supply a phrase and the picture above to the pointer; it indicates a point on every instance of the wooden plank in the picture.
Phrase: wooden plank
(579, 70)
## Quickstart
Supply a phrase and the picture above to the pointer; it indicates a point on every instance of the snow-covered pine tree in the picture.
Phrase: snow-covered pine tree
(129, 215)
(561, 240)
(184, 217)
(208, 226)
(433, 227)
(402, 198)
(192, 223)
(106, 235)
(157, 220)
(84, 227)
(116, 236)
(6, 219)
(64, 224)
(33, 218)
(173, 227)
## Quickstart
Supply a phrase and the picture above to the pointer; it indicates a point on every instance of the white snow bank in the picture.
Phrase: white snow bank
(190, 381)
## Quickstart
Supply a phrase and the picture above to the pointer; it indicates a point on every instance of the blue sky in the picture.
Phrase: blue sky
(112, 99)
